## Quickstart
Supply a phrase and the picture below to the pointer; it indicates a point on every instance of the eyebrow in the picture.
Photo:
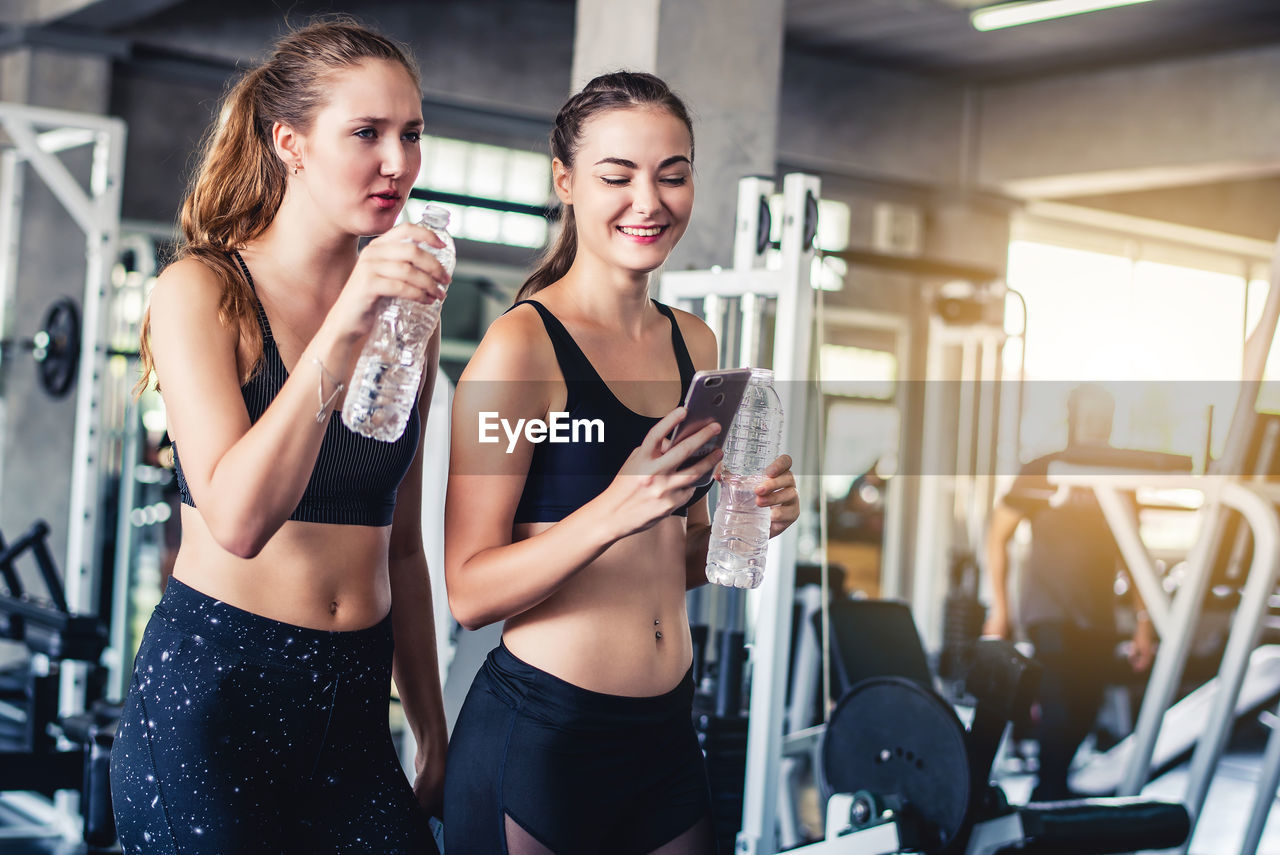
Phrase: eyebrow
(627, 164)
(379, 120)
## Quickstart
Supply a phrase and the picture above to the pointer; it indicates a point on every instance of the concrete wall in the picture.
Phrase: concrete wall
(862, 121)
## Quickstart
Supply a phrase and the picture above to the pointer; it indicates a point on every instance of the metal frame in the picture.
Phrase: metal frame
(38, 135)
(792, 288)
(895, 529)
(956, 489)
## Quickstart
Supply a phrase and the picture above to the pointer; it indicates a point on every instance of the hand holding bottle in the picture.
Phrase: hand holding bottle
(393, 265)
(384, 386)
(778, 493)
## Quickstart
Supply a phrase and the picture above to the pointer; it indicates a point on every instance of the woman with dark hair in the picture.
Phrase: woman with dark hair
(257, 720)
(577, 734)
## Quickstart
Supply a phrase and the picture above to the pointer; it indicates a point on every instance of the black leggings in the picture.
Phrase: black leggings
(538, 765)
(245, 735)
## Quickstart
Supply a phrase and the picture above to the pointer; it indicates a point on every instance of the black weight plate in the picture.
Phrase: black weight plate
(893, 738)
(58, 368)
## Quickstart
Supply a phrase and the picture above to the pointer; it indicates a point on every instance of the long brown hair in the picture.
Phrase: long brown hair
(240, 180)
(619, 90)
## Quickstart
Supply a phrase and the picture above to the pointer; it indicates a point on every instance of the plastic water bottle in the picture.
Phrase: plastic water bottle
(384, 386)
(740, 531)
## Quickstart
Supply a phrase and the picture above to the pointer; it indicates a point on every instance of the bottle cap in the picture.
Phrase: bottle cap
(434, 217)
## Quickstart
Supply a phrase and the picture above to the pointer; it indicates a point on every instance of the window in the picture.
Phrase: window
(1161, 324)
(493, 194)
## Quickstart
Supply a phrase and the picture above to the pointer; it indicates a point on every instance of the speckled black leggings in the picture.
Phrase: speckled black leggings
(245, 735)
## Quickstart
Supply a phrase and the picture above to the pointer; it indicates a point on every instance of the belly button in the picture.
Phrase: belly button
(333, 607)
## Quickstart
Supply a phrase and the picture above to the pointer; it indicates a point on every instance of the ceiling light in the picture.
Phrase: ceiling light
(1013, 14)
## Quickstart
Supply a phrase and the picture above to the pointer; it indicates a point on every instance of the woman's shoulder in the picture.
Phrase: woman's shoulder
(698, 338)
(188, 282)
(515, 345)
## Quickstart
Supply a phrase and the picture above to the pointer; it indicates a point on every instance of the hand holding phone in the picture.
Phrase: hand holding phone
(713, 396)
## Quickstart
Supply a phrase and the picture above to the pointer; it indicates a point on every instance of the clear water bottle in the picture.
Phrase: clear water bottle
(740, 531)
(384, 386)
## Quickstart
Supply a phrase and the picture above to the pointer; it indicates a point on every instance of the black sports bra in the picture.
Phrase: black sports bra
(355, 478)
(564, 476)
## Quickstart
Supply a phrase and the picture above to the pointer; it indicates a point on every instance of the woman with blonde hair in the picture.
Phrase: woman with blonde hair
(257, 719)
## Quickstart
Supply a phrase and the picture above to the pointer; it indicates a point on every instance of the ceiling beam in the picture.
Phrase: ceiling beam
(1162, 124)
(99, 14)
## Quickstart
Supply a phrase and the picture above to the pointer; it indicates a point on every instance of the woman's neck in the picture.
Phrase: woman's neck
(607, 296)
(300, 248)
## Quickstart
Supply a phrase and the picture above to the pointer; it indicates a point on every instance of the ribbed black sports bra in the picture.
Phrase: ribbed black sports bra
(565, 476)
(355, 478)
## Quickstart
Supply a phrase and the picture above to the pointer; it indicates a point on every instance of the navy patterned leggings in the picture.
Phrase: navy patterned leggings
(244, 735)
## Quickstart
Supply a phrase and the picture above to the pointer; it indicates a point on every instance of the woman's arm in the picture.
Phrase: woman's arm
(246, 478)
(416, 666)
(489, 577)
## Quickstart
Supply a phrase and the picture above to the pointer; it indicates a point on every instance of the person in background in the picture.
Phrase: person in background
(1067, 603)
(257, 718)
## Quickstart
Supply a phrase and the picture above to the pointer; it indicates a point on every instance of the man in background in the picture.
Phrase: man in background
(1067, 592)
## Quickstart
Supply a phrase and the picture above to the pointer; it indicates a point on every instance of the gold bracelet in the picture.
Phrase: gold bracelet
(323, 412)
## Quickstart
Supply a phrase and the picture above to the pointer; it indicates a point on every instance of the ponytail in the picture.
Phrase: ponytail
(557, 260)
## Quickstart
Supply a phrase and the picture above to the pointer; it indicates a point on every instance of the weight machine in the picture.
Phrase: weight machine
(70, 345)
(883, 804)
(33, 759)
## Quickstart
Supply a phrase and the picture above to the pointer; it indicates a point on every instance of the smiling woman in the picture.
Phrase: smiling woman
(257, 719)
(577, 733)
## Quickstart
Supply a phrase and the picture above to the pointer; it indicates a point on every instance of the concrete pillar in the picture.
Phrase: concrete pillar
(36, 431)
(724, 58)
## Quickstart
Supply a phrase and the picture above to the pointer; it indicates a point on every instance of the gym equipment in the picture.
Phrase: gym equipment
(37, 138)
(902, 773)
(53, 635)
(1228, 489)
(736, 304)
(55, 348)
(1183, 724)
(963, 614)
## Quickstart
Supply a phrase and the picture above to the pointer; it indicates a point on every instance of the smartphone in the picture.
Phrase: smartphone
(713, 396)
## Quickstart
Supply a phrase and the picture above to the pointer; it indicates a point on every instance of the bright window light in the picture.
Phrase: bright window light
(1014, 14)
(487, 173)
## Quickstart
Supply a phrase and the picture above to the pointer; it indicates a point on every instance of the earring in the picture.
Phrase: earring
(296, 167)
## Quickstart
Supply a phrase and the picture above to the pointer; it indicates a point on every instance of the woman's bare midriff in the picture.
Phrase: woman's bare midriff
(619, 626)
(330, 577)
